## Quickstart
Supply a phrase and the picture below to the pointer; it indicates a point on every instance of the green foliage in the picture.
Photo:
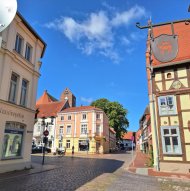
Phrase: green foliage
(116, 115)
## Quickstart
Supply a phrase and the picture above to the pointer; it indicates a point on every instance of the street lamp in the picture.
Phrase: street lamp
(152, 101)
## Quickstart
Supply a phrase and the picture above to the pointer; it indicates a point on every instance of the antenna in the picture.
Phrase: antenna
(8, 10)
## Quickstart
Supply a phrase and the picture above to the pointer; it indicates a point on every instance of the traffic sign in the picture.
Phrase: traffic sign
(46, 133)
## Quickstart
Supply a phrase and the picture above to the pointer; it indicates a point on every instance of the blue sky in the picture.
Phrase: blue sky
(94, 48)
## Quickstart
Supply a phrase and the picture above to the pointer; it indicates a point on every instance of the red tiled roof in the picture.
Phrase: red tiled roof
(81, 108)
(182, 30)
(49, 109)
(128, 135)
(46, 98)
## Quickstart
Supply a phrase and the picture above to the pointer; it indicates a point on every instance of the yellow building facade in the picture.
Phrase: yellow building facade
(86, 128)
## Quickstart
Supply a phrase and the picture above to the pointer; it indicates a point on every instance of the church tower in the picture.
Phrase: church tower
(68, 95)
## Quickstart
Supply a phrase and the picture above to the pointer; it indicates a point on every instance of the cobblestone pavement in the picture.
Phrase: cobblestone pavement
(99, 173)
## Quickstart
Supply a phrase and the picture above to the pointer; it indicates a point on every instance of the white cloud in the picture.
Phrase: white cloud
(96, 33)
(124, 18)
(86, 100)
(125, 41)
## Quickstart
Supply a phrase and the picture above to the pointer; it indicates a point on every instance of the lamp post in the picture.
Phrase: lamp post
(152, 98)
(45, 134)
(87, 142)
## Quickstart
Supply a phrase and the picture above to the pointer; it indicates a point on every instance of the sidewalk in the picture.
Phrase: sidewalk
(139, 166)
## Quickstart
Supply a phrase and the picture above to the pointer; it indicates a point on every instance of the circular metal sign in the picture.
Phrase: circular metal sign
(46, 133)
(165, 47)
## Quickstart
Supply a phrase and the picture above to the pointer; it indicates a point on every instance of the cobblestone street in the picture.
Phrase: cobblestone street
(104, 172)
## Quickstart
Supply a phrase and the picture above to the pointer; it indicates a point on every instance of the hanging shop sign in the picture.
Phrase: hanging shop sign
(165, 47)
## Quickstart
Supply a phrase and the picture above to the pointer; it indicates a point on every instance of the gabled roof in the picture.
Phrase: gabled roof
(128, 135)
(81, 108)
(49, 109)
(46, 98)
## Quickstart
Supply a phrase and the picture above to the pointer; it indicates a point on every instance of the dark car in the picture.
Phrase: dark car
(39, 149)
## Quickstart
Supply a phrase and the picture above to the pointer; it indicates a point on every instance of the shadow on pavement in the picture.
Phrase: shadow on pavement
(69, 173)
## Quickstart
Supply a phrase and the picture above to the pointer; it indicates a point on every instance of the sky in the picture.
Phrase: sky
(95, 49)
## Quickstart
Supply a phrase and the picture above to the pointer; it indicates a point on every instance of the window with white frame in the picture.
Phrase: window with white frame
(97, 116)
(61, 130)
(68, 129)
(69, 117)
(19, 44)
(13, 88)
(84, 116)
(84, 129)
(171, 141)
(60, 144)
(23, 95)
(167, 105)
(28, 52)
(62, 118)
(68, 144)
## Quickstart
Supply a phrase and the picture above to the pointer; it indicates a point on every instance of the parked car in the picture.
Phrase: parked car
(39, 149)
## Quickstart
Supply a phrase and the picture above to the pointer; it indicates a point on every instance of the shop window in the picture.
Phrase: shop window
(171, 142)
(84, 145)
(13, 140)
(13, 88)
(167, 105)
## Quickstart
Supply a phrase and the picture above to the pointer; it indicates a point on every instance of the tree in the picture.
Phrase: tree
(117, 115)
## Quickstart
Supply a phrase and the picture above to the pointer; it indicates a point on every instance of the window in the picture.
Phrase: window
(61, 130)
(97, 129)
(23, 92)
(167, 105)
(60, 144)
(19, 44)
(13, 139)
(39, 127)
(97, 116)
(62, 118)
(69, 117)
(83, 116)
(13, 88)
(68, 129)
(171, 141)
(68, 144)
(84, 129)
(28, 52)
